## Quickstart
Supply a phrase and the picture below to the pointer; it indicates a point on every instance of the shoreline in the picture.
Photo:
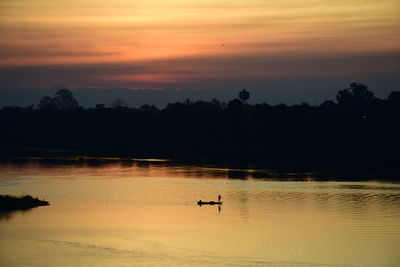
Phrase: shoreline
(356, 169)
(32, 152)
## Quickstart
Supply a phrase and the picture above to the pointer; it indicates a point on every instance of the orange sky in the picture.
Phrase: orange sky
(154, 43)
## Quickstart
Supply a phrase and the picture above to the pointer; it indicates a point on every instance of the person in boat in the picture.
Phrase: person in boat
(219, 198)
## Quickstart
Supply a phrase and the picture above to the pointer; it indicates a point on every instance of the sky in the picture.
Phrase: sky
(296, 46)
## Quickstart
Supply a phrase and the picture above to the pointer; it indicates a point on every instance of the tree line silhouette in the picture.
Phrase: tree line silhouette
(356, 125)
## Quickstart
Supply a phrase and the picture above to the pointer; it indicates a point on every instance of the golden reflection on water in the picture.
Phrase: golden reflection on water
(145, 214)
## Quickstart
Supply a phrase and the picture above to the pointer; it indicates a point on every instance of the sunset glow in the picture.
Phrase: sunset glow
(155, 43)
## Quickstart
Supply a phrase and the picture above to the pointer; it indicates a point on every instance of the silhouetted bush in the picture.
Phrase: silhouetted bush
(10, 203)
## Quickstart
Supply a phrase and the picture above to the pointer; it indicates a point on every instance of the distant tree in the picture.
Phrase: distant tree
(235, 108)
(328, 104)
(149, 108)
(64, 100)
(118, 103)
(357, 94)
(218, 103)
(394, 97)
(99, 106)
(47, 103)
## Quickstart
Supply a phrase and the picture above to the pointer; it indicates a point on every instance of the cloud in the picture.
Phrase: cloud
(11, 52)
(195, 71)
(156, 44)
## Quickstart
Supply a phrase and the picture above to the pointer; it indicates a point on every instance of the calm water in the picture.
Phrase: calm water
(144, 213)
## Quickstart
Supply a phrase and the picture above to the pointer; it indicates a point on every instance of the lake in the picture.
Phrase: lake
(107, 212)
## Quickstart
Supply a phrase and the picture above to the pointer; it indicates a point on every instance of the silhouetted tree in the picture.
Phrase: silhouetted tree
(357, 94)
(47, 103)
(64, 100)
(118, 103)
(218, 103)
(328, 104)
(358, 125)
(149, 108)
(394, 98)
(235, 108)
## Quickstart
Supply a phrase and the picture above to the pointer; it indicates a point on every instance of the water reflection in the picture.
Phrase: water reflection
(288, 171)
(212, 207)
(6, 215)
(9, 214)
(119, 213)
(237, 174)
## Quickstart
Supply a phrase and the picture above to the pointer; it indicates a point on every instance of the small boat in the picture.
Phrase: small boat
(209, 202)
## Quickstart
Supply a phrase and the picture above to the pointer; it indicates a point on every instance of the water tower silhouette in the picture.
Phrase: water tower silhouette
(244, 95)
